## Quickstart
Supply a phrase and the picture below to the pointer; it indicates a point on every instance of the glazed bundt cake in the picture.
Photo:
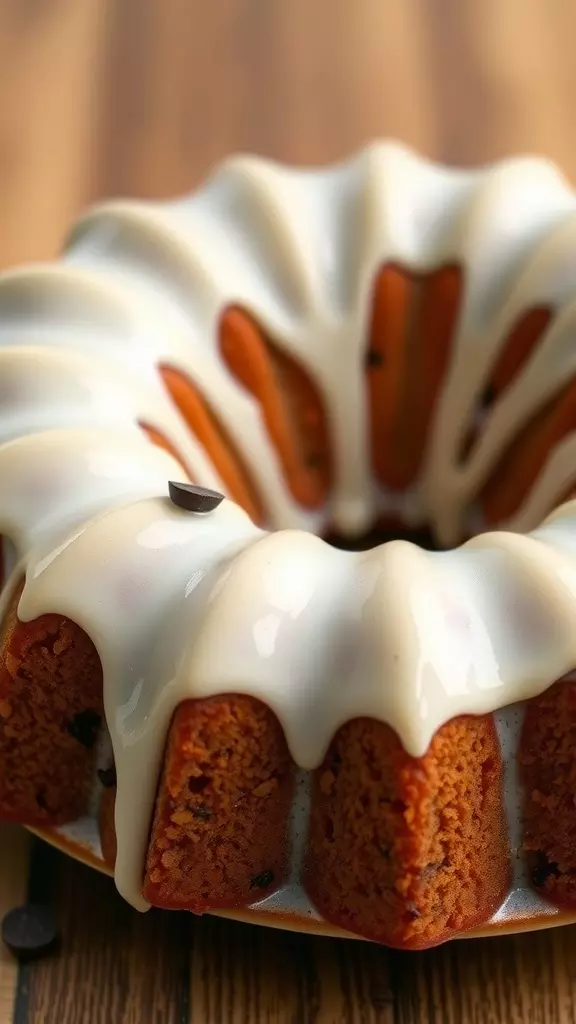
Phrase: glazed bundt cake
(252, 713)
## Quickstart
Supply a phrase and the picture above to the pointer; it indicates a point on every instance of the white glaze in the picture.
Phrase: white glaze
(322, 636)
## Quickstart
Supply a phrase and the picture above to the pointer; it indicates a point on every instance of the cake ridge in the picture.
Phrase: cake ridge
(528, 193)
(502, 211)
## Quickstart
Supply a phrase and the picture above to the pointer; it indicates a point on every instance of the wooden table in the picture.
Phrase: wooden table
(141, 96)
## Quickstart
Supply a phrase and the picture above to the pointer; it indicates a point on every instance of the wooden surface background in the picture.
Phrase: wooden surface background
(99, 97)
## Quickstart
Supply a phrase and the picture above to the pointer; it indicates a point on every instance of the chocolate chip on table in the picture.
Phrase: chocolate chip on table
(107, 776)
(192, 498)
(84, 727)
(30, 932)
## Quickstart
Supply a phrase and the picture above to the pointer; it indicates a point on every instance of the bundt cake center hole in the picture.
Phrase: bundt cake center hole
(424, 538)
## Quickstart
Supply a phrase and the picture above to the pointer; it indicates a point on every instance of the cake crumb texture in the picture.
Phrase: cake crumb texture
(404, 850)
(547, 756)
(219, 835)
(50, 714)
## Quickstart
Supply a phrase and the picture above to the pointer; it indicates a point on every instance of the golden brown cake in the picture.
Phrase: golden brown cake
(219, 836)
(404, 850)
(547, 759)
(258, 717)
(50, 716)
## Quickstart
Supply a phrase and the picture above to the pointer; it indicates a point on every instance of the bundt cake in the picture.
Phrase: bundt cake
(262, 701)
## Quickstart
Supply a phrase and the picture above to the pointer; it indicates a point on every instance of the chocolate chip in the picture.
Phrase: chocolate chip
(41, 798)
(374, 358)
(203, 813)
(193, 498)
(107, 776)
(488, 397)
(84, 727)
(262, 881)
(543, 870)
(198, 783)
(30, 932)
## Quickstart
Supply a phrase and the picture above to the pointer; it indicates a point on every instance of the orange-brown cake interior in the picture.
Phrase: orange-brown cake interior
(160, 441)
(408, 850)
(547, 757)
(410, 341)
(217, 443)
(292, 408)
(522, 462)
(50, 714)
(219, 836)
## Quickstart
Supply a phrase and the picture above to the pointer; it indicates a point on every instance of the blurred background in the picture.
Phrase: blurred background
(101, 97)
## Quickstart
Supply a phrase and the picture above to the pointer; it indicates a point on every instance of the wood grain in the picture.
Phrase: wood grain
(99, 97)
(115, 964)
(120, 966)
(14, 851)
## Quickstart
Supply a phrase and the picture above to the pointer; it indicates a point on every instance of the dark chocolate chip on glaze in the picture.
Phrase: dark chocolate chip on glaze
(193, 498)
